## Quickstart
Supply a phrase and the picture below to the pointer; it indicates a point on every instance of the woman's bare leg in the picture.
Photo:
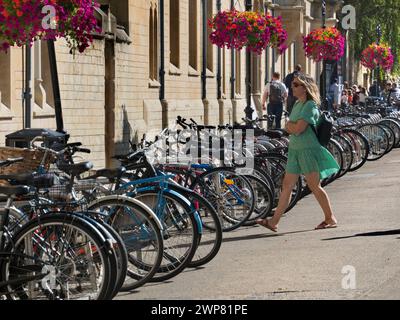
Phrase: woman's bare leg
(289, 181)
(314, 183)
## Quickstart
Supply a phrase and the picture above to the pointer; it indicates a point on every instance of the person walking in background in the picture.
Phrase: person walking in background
(344, 100)
(375, 90)
(288, 83)
(277, 94)
(394, 95)
(350, 97)
(334, 95)
(306, 155)
(387, 91)
(356, 95)
(363, 96)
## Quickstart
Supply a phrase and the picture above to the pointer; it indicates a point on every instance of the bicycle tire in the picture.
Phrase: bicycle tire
(172, 265)
(136, 218)
(209, 185)
(211, 235)
(360, 146)
(25, 236)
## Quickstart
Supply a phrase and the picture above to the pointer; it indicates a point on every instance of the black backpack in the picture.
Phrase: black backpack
(275, 92)
(324, 129)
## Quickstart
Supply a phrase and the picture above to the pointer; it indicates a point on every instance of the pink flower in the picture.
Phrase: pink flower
(21, 22)
(255, 31)
(324, 44)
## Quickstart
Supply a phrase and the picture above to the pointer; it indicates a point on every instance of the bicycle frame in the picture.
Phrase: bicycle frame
(161, 189)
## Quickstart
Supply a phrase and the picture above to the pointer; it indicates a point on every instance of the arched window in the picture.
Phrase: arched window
(5, 79)
(174, 33)
(193, 44)
(43, 91)
(210, 47)
(153, 44)
(238, 72)
(120, 9)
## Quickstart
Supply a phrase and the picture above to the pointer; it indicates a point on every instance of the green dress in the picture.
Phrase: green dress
(306, 155)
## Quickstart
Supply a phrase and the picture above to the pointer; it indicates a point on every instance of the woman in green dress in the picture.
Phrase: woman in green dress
(306, 156)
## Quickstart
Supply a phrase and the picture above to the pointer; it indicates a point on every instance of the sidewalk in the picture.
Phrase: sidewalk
(300, 263)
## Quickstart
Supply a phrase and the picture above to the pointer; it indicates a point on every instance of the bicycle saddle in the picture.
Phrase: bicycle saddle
(75, 169)
(274, 134)
(108, 173)
(14, 190)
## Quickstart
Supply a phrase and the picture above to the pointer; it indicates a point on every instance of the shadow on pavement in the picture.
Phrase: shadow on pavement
(369, 234)
(260, 236)
(250, 237)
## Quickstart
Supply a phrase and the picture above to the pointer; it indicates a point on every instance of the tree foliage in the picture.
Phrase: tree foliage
(370, 14)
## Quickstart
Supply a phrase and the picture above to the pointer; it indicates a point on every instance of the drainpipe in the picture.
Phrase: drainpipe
(204, 67)
(248, 110)
(162, 51)
(219, 84)
(233, 79)
(28, 81)
(56, 87)
(266, 53)
(325, 103)
(273, 49)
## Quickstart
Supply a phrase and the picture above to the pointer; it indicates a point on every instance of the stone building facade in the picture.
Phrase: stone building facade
(137, 76)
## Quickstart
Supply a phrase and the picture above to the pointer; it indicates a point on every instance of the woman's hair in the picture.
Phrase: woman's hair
(310, 86)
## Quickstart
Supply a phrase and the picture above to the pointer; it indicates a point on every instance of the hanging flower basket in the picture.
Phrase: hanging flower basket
(324, 44)
(22, 22)
(278, 33)
(377, 56)
(255, 31)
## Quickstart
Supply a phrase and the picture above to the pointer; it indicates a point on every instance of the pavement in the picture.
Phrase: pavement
(358, 260)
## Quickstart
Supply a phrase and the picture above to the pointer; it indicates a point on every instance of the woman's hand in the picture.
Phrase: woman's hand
(297, 127)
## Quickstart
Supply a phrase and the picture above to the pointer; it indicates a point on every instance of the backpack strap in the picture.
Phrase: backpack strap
(315, 130)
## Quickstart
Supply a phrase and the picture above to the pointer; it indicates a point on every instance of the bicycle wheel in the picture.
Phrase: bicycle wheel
(181, 230)
(231, 195)
(264, 200)
(394, 124)
(211, 233)
(59, 256)
(360, 147)
(348, 156)
(336, 150)
(118, 246)
(117, 253)
(140, 234)
(378, 141)
(275, 165)
(391, 136)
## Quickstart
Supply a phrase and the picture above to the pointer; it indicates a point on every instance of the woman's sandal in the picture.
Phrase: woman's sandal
(324, 225)
(265, 224)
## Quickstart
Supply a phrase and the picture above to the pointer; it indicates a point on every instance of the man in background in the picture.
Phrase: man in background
(291, 100)
(375, 90)
(334, 95)
(277, 93)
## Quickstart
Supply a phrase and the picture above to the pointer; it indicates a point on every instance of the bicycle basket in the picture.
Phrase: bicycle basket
(32, 160)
